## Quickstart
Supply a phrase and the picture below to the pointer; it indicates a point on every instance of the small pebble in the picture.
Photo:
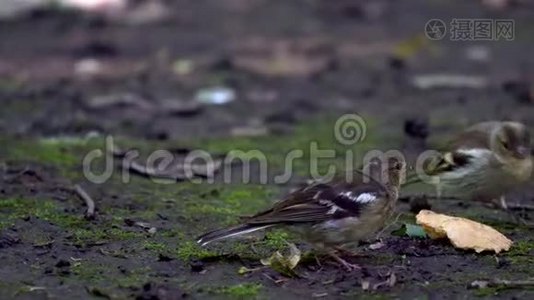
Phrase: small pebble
(419, 203)
(163, 257)
(416, 128)
(197, 266)
(62, 263)
(129, 222)
(396, 63)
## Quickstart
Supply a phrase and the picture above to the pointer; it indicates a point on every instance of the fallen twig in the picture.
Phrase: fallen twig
(144, 171)
(390, 282)
(25, 171)
(143, 225)
(10, 178)
(429, 81)
(278, 281)
(174, 171)
(90, 213)
(169, 106)
(103, 102)
(319, 295)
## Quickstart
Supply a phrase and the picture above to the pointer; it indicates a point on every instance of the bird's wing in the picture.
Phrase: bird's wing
(472, 143)
(448, 161)
(321, 202)
(444, 162)
(474, 137)
(360, 181)
(468, 145)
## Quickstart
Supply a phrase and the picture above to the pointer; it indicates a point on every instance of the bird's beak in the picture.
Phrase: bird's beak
(522, 152)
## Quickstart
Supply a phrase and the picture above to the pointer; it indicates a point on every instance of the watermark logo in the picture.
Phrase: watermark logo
(199, 166)
(350, 129)
(471, 29)
(435, 29)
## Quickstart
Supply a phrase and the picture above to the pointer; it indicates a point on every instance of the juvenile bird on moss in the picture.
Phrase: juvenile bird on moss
(483, 162)
(330, 215)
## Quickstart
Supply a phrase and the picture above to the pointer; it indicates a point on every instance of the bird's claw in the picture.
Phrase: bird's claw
(348, 266)
(518, 219)
(351, 267)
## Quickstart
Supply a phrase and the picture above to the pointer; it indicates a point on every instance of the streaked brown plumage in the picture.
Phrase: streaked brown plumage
(332, 214)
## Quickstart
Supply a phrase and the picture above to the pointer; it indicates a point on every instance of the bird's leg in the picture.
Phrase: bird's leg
(348, 266)
(492, 203)
(438, 191)
(504, 206)
(502, 202)
(317, 260)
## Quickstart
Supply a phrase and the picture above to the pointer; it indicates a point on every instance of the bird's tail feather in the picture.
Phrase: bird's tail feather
(229, 232)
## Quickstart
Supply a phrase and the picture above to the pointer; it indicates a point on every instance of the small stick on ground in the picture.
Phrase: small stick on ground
(25, 171)
(90, 213)
(174, 172)
(147, 172)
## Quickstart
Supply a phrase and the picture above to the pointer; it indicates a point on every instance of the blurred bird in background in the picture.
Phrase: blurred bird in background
(484, 162)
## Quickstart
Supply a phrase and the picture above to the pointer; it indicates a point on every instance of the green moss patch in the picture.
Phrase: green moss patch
(239, 291)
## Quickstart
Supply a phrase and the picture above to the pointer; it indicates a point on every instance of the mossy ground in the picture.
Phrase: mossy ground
(49, 250)
(112, 255)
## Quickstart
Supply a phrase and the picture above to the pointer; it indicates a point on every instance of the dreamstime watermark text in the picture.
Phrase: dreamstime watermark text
(198, 165)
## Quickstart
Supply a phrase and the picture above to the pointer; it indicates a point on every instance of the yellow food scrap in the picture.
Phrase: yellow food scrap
(463, 233)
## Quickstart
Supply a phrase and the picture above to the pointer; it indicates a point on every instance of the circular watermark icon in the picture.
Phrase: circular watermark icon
(435, 29)
(350, 129)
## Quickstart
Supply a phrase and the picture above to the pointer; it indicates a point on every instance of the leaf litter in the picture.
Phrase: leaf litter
(284, 265)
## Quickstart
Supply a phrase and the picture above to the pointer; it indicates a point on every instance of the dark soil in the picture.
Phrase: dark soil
(351, 57)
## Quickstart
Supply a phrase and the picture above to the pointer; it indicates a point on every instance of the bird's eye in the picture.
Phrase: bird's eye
(506, 145)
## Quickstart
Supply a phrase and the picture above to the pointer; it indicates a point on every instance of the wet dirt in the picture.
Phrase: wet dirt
(350, 56)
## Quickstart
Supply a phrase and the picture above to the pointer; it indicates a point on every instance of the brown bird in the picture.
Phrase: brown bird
(483, 162)
(330, 215)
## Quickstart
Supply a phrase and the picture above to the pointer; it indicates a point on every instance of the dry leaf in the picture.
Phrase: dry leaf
(284, 58)
(284, 264)
(463, 233)
(377, 245)
(438, 80)
(410, 47)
